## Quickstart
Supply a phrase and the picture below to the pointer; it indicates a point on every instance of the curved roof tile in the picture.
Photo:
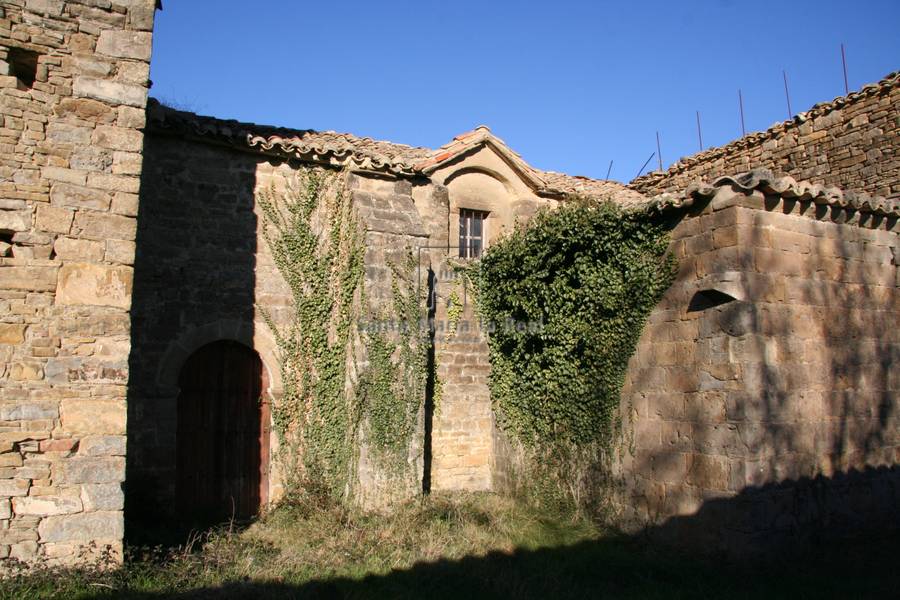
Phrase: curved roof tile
(786, 187)
(344, 149)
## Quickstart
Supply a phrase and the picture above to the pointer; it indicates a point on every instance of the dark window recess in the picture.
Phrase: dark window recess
(471, 232)
(709, 299)
(23, 64)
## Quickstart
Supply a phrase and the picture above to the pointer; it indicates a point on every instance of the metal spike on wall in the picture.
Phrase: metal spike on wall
(787, 95)
(658, 152)
(844, 64)
(699, 132)
(644, 166)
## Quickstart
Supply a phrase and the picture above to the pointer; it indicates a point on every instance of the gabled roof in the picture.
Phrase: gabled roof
(543, 183)
(363, 153)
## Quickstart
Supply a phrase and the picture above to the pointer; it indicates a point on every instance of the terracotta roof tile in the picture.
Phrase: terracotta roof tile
(366, 153)
(767, 182)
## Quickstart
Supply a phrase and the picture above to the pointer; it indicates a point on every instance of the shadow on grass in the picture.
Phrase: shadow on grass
(611, 568)
(812, 538)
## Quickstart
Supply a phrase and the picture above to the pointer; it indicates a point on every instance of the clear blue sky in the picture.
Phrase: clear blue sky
(568, 84)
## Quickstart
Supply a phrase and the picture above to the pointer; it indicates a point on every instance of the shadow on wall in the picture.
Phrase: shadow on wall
(635, 567)
(829, 363)
(790, 410)
(194, 283)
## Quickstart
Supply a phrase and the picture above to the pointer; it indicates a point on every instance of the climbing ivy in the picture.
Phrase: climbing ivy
(392, 389)
(565, 299)
(318, 246)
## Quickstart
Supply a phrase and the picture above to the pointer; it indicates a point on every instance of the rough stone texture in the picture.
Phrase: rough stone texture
(745, 416)
(740, 411)
(462, 436)
(190, 290)
(849, 143)
(64, 298)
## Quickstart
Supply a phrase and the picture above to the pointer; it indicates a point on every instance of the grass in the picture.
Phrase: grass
(463, 546)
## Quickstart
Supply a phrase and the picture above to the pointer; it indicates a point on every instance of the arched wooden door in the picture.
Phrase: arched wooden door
(222, 435)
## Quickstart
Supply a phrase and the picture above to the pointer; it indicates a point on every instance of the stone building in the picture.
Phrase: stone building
(762, 400)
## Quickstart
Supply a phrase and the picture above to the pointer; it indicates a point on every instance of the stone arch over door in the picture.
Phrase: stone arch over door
(254, 335)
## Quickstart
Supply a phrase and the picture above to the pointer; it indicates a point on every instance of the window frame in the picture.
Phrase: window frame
(467, 217)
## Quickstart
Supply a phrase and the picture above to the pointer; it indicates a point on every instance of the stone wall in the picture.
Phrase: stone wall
(765, 378)
(200, 272)
(204, 273)
(462, 437)
(73, 87)
(850, 143)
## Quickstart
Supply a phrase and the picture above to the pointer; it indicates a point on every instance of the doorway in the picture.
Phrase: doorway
(222, 435)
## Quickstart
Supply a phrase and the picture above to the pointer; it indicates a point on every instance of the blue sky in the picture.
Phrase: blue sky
(568, 84)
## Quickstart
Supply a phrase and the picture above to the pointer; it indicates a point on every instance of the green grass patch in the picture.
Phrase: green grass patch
(462, 546)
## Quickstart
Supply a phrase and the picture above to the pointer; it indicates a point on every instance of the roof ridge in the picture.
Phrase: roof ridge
(888, 82)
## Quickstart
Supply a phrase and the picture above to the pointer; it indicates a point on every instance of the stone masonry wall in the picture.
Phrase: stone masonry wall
(850, 143)
(73, 87)
(773, 415)
(462, 438)
(201, 270)
(204, 273)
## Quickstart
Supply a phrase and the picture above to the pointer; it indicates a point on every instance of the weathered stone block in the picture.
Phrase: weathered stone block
(15, 220)
(669, 467)
(82, 250)
(114, 183)
(65, 133)
(125, 44)
(51, 8)
(5, 509)
(14, 487)
(24, 551)
(131, 118)
(141, 17)
(708, 472)
(90, 470)
(43, 506)
(84, 527)
(28, 411)
(118, 138)
(10, 459)
(110, 91)
(26, 371)
(100, 226)
(120, 251)
(12, 333)
(102, 496)
(94, 285)
(103, 445)
(63, 445)
(93, 417)
(37, 279)
(53, 219)
(74, 196)
(84, 108)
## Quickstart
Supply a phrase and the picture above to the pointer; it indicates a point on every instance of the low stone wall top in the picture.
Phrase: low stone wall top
(850, 143)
